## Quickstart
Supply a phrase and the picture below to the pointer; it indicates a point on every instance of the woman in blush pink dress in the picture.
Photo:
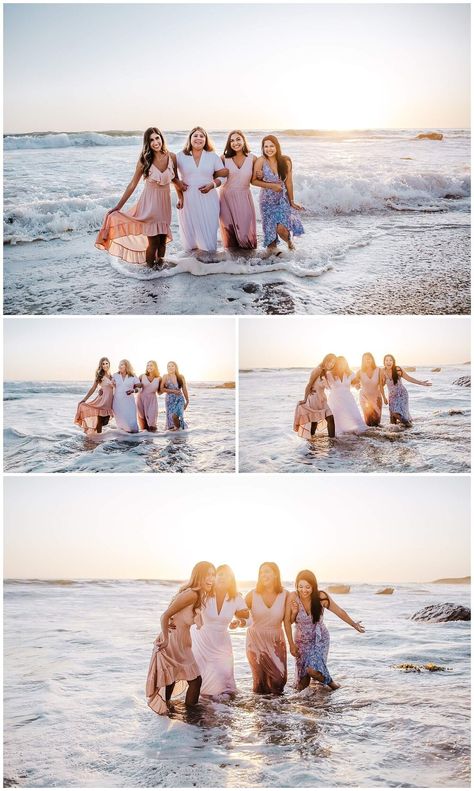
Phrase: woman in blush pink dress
(237, 211)
(172, 659)
(370, 379)
(266, 647)
(94, 415)
(314, 408)
(147, 400)
(212, 646)
(140, 234)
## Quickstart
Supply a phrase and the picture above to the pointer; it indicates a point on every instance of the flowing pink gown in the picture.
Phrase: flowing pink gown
(266, 647)
(124, 234)
(87, 414)
(314, 410)
(147, 403)
(237, 211)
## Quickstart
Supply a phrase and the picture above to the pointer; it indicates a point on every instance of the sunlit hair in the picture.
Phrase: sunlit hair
(363, 365)
(396, 371)
(196, 583)
(232, 586)
(341, 368)
(128, 367)
(146, 157)
(229, 151)
(155, 372)
(208, 145)
(282, 161)
(278, 587)
(323, 366)
(179, 378)
(316, 606)
(100, 373)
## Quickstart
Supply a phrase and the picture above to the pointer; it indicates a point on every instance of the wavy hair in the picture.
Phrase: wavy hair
(316, 606)
(396, 370)
(128, 367)
(156, 372)
(196, 582)
(100, 373)
(179, 377)
(208, 145)
(228, 151)
(277, 584)
(146, 157)
(363, 366)
(282, 161)
(232, 588)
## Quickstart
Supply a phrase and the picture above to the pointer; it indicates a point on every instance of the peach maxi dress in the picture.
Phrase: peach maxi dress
(314, 410)
(237, 211)
(266, 647)
(88, 413)
(124, 234)
(175, 663)
(147, 403)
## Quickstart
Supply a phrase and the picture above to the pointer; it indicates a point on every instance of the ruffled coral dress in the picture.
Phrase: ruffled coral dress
(88, 413)
(314, 410)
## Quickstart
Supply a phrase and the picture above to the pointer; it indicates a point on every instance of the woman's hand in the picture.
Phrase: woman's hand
(234, 624)
(296, 206)
(161, 642)
(275, 186)
(385, 401)
(300, 403)
(130, 392)
(181, 185)
(207, 188)
(426, 383)
(359, 627)
(293, 650)
(110, 211)
(294, 604)
(180, 202)
(186, 404)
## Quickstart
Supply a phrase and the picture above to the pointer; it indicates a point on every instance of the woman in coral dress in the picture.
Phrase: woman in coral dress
(398, 403)
(94, 415)
(266, 647)
(212, 645)
(177, 397)
(140, 234)
(124, 406)
(370, 380)
(347, 417)
(172, 659)
(237, 211)
(314, 408)
(147, 400)
(201, 171)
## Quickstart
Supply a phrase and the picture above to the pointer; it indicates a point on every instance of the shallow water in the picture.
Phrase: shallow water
(39, 434)
(383, 210)
(437, 442)
(76, 657)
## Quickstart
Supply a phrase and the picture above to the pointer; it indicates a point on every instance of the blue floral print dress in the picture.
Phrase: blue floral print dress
(312, 641)
(275, 209)
(174, 406)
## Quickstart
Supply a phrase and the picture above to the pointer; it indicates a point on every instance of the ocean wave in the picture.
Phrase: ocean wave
(71, 140)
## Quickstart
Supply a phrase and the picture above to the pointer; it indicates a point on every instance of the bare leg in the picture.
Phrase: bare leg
(303, 683)
(272, 250)
(150, 254)
(331, 426)
(169, 691)
(313, 429)
(192, 695)
(161, 249)
(175, 420)
(315, 674)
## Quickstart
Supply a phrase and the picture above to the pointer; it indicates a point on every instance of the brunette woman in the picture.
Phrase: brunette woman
(140, 234)
(95, 414)
(397, 392)
(273, 173)
(147, 401)
(172, 659)
(370, 380)
(237, 212)
(177, 397)
(314, 409)
(266, 647)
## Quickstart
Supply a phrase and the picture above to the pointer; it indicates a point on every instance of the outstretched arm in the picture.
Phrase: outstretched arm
(425, 382)
(130, 188)
(343, 615)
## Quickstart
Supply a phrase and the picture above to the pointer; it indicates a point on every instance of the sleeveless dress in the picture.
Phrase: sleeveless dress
(199, 217)
(175, 663)
(314, 410)
(370, 398)
(124, 234)
(212, 646)
(398, 398)
(266, 647)
(125, 410)
(342, 403)
(237, 211)
(312, 641)
(174, 403)
(87, 414)
(275, 209)
(147, 403)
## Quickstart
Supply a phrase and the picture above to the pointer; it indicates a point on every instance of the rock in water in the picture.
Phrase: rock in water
(429, 136)
(435, 370)
(339, 588)
(441, 613)
(463, 381)
(385, 590)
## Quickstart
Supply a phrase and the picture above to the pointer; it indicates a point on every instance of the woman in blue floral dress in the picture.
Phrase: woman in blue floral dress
(305, 607)
(177, 397)
(273, 174)
(397, 392)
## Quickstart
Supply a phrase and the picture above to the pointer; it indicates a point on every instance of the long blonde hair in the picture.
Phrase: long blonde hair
(196, 581)
(179, 377)
(128, 367)
(155, 372)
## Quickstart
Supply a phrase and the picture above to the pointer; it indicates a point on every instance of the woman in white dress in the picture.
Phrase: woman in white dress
(212, 647)
(124, 406)
(370, 379)
(341, 402)
(201, 171)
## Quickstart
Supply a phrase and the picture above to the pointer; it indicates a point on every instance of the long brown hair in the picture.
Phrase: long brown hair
(146, 157)
(316, 606)
(100, 373)
(155, 372)
(323, 364)
(196, 581)
(232, 588)
(277, 584)
(282, 161)
(396, 371)
(228, 150)
(363, 366)
(208, 145)
(179, 378)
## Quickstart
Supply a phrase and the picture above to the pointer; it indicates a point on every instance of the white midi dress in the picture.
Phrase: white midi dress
(123, 405)
(199, 217)
(347, 416)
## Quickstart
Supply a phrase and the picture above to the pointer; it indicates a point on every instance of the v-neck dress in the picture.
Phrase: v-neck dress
(312, 641)
(88, 413)
(275, 209)
(124, 406)
(237, 213)
(147, 403)
(212, 646)
(266, 647)
(370, 397)
(199, 217)
(124, 233)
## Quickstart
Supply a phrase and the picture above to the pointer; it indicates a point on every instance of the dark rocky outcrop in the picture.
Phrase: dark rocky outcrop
(435, 370)
(463, 381)
(384, 591)
(442, 613)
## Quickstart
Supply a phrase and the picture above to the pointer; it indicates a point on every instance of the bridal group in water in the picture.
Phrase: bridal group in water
(115, 397)
(140, 234)
(328, 399)
(193, 650)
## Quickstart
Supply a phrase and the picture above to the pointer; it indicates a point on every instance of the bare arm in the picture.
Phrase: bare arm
(425, 382)
(184, 388)
(257, 181)
(130, 188)
(331, 605)
(312, 378)
(181, 601)
(89, 393)
(248, 600)
(288, 620)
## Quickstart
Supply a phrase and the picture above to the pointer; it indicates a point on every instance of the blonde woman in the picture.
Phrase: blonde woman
(147, 401)
(95, 414)
(174, 386)
(370, 379)
(124, 407)
(172, 659)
